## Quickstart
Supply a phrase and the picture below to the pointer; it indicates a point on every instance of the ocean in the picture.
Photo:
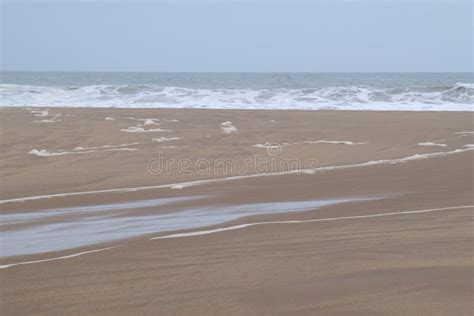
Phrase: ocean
(314, 91)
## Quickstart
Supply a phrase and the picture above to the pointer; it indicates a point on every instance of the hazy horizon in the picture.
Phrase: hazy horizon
(242, 72)
(200, 36)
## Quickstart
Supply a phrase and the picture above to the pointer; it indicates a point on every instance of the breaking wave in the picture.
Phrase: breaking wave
(457, 97)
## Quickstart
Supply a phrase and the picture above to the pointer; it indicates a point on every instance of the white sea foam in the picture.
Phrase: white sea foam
(146, 121)
(268, 145)
(109, 119)
(120, 149)
(217, 180)
(40, 113)
(136, 129)
(106, 146)
(177, 186)
(46, 116)
(47, 121)
(321, 169)
(45, 153)
(228, 128)
(150, 121)
(469, 145)
(339, 142)
(330, 219)
(74, 255)
(432, 144)
(165, 139)
(455, 97)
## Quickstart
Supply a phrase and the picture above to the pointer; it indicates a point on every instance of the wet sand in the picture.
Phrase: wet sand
(366, 257)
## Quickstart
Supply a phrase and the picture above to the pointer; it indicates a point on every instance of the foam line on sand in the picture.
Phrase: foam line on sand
(40, 113)
(209, 181)
(45, 153)
(106, 146)
(235, 227)
(228, 128)
(432, 144)
(323, 141)
(218, 230)
(165, 139)
(146, 121)
(53, 120)
(57, 258)
(136, 129)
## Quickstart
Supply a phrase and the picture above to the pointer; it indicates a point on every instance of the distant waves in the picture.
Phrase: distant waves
(456, 97)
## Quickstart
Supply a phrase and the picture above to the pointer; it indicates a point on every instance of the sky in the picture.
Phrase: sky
(237, 36)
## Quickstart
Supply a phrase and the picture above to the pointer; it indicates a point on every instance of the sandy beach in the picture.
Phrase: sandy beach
(260, 157)
(188, 211)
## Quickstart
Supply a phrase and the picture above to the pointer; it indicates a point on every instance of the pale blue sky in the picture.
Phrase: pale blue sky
(237, 36)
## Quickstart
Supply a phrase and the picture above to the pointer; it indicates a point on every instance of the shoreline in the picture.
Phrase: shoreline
(114, 108)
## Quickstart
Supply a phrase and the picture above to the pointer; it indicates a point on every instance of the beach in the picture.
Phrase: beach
(262, 157)
(211, 211)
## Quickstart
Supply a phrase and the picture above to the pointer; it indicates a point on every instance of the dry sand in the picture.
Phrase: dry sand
(410, 264)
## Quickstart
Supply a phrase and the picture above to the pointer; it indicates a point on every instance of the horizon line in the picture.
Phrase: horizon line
(243, 72)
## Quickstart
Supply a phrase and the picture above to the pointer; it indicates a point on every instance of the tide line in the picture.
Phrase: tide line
(235, 227)
(268, 145)
(240, 177)
(57, 258)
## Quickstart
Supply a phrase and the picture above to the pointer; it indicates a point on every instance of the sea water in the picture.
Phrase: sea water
(315, 91)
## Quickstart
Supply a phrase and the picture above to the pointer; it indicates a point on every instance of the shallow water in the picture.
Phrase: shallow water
(105, 223)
